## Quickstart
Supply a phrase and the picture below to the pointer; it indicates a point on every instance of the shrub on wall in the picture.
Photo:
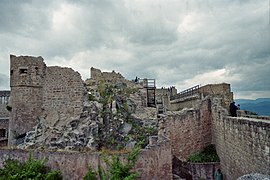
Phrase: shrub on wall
(116, 170)
(208, 154)
(31, 169)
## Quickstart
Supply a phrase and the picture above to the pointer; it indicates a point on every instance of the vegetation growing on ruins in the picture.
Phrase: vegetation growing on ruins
(208, 154)
(116, 169)
(116, 113)
(31, 169)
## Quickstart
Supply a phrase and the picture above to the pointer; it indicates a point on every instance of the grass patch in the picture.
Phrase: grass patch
(208, 154)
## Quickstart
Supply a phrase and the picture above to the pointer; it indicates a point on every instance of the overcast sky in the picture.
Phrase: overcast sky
(178, 42)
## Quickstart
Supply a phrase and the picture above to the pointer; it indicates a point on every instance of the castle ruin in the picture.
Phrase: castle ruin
(38, 91)
(54, 108)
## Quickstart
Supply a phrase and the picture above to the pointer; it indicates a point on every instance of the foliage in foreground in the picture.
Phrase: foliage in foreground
(31, 169)
(116, 170)
(208, 154)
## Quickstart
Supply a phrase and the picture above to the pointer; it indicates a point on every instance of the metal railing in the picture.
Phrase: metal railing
(188, 92)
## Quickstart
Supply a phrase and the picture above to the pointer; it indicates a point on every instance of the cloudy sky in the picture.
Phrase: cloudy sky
(177, 42)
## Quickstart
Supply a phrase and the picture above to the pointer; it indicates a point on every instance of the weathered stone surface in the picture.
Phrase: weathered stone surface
(71, 118)
(154, 163)
(254, 176)
(241, 143)
(125, 128)
(56, 94)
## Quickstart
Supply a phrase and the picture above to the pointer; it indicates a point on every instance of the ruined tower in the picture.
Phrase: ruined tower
(51, 94)
(26, 83)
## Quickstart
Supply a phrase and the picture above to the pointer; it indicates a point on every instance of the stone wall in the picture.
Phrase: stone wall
(153, 163)
(4, 100)
(63, 91)
(192, 99)
(242, 143)
(108, 76)
(203, 170)
(41, 92)
(166, 91)
(3, 131)
(189, 130)
(4, 117)
(222, 90)
(26, 82)
(187, 102)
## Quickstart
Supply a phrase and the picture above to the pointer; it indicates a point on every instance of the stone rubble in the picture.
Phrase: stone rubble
(113, 117)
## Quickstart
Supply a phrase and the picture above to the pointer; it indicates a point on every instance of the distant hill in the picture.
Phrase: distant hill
(261, 105)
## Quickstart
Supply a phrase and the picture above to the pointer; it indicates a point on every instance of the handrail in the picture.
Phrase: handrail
(188, 92)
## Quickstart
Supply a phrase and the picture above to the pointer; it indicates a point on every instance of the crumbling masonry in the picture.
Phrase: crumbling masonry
(38, 91)
(54, 103)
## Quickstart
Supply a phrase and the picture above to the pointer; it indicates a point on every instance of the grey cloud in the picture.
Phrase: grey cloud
(171, 41)
(27, 18)
(4, 82)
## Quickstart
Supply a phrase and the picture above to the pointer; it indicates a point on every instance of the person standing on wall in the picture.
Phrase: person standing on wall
(233, 109)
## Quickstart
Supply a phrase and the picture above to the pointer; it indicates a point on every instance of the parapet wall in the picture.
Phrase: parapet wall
(242, 143)
(153, 163)
(191, 98)
(222, 90)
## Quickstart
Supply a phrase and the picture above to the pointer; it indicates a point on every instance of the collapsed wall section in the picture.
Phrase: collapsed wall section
(64, 91)
(41, 93)
(241, 143)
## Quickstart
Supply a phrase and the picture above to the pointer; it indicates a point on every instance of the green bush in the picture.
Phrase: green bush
(31, 169)
(90, 175)
(117, 170)
(208, 154)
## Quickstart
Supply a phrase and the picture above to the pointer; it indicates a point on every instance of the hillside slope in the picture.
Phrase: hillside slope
(261, 106)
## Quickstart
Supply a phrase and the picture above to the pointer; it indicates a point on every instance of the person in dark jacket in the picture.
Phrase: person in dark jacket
(233, 109)
(218, 175)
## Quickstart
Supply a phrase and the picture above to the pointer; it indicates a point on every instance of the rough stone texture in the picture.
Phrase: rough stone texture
(156, 162)
(63, 91)
(191, 101)
(50, 102)
(3, 131)
(4, 100)
(241, 143)
(4, 117)
(222, 90)
(73, 119)
(189, 130)
(39, 93)
(26, 82)
(254, 176)
(203, 170)
(153, 163)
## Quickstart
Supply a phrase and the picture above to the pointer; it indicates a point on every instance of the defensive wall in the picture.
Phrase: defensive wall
(152, 163)
(4, 117)
(46, 92)
(189, 130)
(241, 143)
(191, 97)
(41, 92)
